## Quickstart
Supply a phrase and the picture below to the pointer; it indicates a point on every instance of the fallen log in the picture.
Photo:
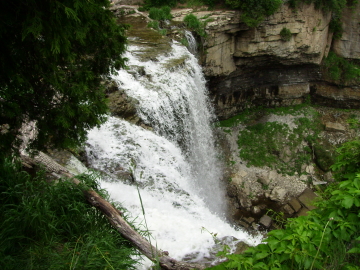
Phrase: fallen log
(113, 215)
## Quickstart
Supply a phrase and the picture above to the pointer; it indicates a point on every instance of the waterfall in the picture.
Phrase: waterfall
(192, 45)
(176, 165)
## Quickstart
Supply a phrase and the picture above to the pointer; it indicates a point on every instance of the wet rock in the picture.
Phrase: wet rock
(295, 204)
(241, 247)
(123, 106)
(288, 210)
(302, 212)
(243, 224)
(232, 191)
(265, 221)
(307, 198)
(256, 210)
(249, 220)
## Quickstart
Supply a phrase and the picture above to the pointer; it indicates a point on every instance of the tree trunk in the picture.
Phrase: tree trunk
(114, 216)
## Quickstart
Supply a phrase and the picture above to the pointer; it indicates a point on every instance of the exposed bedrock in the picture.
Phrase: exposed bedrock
(248, 67)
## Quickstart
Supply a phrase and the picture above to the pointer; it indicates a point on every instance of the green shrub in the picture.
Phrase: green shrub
(254, 11)
(154, 25)
(160, 14)
(327, 238)
(340, 70)
(160, 3)
(192, 22)
(285, 34)
(263, 144)
(51, 226)
(335, 27)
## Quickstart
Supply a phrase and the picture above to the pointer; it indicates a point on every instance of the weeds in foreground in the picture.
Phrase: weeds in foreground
(51, 226)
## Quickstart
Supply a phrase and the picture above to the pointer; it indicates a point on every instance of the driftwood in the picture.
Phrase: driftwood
(113, 215)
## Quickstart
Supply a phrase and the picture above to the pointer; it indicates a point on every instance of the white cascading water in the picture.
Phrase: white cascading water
(192, 45)
(176, 165)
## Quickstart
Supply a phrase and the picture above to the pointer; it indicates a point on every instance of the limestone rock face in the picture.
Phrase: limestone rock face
(349, 44)
(231, 43)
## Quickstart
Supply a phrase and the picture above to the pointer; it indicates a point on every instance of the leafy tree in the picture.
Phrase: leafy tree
(54, 55)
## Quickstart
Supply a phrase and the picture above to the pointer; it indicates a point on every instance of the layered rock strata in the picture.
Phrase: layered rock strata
(248, 67)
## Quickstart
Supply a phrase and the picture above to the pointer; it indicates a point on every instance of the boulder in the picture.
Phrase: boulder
(307, 198)
(337, 127)
(265, 221)
(278, 194)
(294, 203)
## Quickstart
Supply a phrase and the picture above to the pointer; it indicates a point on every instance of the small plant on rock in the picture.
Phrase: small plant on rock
(285, 34)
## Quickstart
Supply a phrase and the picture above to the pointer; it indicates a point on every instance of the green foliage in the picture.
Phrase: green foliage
(159, 3)
(51, 226)
(53, 57)
(210, 3)
(154, 25)
(160, 14)
(192, 22)
(340, 70)
(285, 34)
(327, 238)
(335, 27)
(263, 144)
(254, 11)
(324, 155)
(277, 217)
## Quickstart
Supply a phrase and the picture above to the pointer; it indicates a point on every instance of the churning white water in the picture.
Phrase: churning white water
(176, 165)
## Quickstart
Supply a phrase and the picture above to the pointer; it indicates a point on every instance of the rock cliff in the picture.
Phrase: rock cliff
(248, 67)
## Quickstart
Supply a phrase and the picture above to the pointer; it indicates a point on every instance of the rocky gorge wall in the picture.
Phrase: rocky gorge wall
(248, 67)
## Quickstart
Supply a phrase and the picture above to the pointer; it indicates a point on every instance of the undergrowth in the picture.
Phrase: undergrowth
(341, 70)
(327, 238)
(275, 144)
(51, 226)
(193, 23)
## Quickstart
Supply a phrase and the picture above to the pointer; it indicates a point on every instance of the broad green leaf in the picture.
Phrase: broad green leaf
(261, 265)
(260, 256)
(348, 202)
(354, 250)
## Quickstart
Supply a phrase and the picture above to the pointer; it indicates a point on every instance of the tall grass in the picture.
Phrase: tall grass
(51, 226)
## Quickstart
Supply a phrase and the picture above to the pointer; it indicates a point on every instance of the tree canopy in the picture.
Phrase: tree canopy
(54, 56)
